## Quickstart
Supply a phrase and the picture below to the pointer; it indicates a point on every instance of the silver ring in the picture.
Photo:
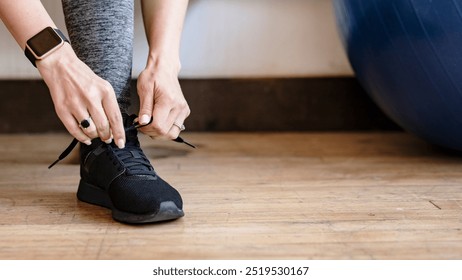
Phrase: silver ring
(85, 123)
(181, 127)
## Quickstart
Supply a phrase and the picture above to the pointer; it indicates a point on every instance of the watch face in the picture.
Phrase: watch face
(44, 41)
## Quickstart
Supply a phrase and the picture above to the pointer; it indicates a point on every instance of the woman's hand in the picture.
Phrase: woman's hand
(158, 87)
(161, 97)
(78, 94)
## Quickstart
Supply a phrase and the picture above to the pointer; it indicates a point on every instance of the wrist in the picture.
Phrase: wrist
(62, 56)
(44, 43)
(164, 62)
(57, 63)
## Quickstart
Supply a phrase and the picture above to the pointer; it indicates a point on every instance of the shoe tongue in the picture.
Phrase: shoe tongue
(132, 154)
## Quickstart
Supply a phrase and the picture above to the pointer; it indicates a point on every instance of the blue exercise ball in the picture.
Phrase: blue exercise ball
(407, 54)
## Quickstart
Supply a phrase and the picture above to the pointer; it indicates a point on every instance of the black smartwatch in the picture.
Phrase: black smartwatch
(44, 43)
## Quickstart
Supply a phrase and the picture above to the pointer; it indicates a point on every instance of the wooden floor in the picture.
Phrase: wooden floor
(247, 196)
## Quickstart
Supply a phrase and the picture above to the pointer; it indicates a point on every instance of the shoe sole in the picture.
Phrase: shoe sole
(91, 194)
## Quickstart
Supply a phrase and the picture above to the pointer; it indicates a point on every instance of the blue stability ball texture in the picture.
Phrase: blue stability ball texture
(407, 54)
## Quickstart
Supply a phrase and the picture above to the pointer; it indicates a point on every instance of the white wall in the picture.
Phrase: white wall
(231, 38)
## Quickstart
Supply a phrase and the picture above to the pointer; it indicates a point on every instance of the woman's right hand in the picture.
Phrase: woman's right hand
(78, 93)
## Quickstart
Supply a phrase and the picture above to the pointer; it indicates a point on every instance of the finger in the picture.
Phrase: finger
(90, 131)
(114, 117)
(146, 95)
(174, 132)
(177, 115)
(184, 113)
(178, 124)
(73, 127)
(163, 118)
(165, 129)
(101, 123)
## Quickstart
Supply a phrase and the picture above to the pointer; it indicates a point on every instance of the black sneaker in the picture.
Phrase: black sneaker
(124, 181)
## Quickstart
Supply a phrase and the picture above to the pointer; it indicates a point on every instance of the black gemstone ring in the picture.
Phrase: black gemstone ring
(85, 123)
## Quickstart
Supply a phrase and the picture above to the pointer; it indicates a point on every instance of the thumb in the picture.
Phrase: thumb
(146, 106)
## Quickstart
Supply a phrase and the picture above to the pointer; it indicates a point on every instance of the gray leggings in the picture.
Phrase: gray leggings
(101, 33)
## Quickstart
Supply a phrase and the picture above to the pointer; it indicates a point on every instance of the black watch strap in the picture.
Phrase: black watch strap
(31, 56)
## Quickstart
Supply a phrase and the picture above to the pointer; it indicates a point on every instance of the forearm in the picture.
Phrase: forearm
(163, 22)
(24, 19)
(158, 87)
(75, 89)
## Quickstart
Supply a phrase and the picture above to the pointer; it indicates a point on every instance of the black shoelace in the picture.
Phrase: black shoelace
(132, 157)
(134, 126)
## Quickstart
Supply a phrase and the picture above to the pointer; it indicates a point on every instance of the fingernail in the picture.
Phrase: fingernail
(145, 119)
(87, 142)
(121, 143)
(108, 141)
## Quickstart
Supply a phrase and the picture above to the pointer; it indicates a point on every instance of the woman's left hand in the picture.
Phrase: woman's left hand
(162, 99)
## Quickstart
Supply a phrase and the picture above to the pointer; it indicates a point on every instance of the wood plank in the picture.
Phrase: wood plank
(247, 196)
